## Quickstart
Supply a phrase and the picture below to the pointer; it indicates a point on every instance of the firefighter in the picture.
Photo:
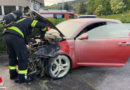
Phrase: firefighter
(15, 37)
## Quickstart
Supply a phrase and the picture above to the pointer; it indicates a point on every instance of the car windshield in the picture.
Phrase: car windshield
(68, 28)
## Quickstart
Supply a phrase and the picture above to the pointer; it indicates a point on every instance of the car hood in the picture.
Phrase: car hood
(45, 21)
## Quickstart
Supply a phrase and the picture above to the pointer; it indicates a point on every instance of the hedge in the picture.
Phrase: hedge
(2, 42)
(56, 21)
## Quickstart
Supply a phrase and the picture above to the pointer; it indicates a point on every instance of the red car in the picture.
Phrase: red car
(91, 42)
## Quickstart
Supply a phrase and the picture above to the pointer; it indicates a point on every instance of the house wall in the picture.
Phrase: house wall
(35, 4)
(14, 2)
(7, 6)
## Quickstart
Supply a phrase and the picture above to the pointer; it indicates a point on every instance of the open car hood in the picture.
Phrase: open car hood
(40, 18)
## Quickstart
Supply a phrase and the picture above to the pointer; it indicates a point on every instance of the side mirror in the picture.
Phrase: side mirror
(83, 36)
(129, 33)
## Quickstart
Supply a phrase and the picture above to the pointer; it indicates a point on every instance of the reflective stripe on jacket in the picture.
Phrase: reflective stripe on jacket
(17, 30)
(24, 27)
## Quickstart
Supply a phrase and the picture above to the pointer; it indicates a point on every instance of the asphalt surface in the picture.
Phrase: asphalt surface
(82, 78)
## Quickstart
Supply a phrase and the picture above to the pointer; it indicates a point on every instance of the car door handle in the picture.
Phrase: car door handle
(124, 43)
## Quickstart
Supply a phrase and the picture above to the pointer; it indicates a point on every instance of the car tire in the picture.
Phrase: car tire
(58, 67)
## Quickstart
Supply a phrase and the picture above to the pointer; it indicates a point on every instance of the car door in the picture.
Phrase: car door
(107, 45)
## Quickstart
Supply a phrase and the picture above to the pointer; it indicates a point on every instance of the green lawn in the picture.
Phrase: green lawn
(125, 18)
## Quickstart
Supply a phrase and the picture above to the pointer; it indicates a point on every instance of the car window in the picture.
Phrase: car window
(47, 15)
(108, 31)
(91, 26)
(59, 16)
(72, 16)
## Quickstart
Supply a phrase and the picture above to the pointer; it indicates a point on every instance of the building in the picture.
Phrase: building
(6, 6)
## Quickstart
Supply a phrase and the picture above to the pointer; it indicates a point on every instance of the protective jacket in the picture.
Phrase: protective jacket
(24, 27)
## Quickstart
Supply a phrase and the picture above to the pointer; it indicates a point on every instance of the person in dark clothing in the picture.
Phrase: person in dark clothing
(15, 37)
(10, 18)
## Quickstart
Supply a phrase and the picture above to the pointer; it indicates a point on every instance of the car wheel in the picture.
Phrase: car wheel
(58, 67)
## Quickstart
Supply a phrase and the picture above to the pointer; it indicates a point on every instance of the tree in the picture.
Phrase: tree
(91, 6)
(117, 6)
(127, 3)
(82, 8)
(107, 7)
(75, 7)
(101, 7)
(99, 10)
(66, 6)
(55, 6)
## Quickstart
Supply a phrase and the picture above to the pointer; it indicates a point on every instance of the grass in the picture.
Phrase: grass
(125, 18)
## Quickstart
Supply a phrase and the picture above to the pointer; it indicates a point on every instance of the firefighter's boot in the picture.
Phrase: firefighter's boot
(13, 74)
(23, 78)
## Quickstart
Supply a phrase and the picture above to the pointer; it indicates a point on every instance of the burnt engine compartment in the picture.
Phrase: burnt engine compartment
(40, 54)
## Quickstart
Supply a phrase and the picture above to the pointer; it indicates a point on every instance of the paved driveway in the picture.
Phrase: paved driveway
(83, 78)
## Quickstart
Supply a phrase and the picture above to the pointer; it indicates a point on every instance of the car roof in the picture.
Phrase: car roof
(94, 20)
(87, 15)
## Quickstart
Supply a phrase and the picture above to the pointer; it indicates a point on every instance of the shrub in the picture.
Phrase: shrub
(56, 21)
(2, 42)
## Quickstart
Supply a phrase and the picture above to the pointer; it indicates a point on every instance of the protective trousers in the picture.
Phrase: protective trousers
(17, 49)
